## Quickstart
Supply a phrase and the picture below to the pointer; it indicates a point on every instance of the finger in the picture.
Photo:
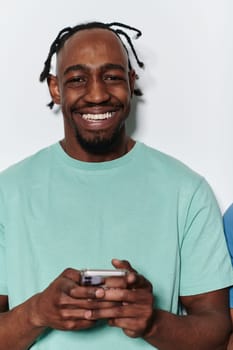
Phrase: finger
(135, 296)
(71, 274)
(123, 323)
(121, 311)
(74, 324)
(72, 314)
(77, 325)
(83, 314)
(134, 279)
(132, 334)
(123, 264)
(133, 327)
(115, 282)
(71, 303)
(84, 292)
(130, 324)
(139, 282)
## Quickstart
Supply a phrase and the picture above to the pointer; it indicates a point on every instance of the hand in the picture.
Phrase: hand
(134, 314)
(64, 303)
(230, 344)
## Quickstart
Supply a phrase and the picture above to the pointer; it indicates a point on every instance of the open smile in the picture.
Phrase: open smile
(97, 116)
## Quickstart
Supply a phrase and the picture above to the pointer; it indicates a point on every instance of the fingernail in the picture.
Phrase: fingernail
(99, 293)
(88, 314)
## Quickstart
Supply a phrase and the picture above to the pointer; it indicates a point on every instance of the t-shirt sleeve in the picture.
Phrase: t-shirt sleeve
(3, 287)
(228, 228)
(205, 261)
(3, 284)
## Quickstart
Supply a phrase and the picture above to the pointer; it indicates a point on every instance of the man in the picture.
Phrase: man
(96, 196)
(228, 227)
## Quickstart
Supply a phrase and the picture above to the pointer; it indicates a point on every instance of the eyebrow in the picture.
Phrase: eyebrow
(84, 67)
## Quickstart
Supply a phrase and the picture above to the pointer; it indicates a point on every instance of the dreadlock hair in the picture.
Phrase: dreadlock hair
(67, 32)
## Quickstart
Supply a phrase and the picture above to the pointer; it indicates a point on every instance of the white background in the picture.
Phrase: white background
(187, 107)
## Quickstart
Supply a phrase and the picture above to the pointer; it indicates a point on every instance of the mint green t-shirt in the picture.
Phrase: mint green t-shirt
(145, 207)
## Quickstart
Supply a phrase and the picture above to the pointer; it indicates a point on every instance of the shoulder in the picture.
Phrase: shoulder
(177, 179)
(168, 167)
(24, 170)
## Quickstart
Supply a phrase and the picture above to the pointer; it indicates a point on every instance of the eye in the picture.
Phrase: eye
(113, 77)
(76, 81)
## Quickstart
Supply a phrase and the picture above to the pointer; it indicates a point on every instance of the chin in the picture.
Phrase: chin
(100, 144)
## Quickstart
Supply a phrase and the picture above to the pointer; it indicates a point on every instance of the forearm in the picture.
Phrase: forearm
(201, 331)
(17, 331)
(230, 343)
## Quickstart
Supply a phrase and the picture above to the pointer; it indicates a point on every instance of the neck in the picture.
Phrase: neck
(77, 152)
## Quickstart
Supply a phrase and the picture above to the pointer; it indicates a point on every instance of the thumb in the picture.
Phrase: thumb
(123, 264)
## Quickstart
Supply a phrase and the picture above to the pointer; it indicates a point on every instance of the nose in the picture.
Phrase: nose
(97, 92)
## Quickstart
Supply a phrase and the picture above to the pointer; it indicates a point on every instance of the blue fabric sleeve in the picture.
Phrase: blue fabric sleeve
(228, 229)
(205, 261)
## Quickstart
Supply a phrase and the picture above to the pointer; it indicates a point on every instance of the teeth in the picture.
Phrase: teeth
(97, 116)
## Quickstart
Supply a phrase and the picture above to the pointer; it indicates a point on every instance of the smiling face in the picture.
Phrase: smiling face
(94, 88)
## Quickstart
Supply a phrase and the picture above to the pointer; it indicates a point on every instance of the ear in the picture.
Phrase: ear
(53, 86)
(132, 78)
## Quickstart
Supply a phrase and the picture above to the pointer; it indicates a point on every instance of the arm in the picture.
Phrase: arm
(230, 344)
(205, 327)
(18, 319)
(55, 307)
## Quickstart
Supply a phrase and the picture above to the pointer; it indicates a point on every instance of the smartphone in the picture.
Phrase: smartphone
(96, 277)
